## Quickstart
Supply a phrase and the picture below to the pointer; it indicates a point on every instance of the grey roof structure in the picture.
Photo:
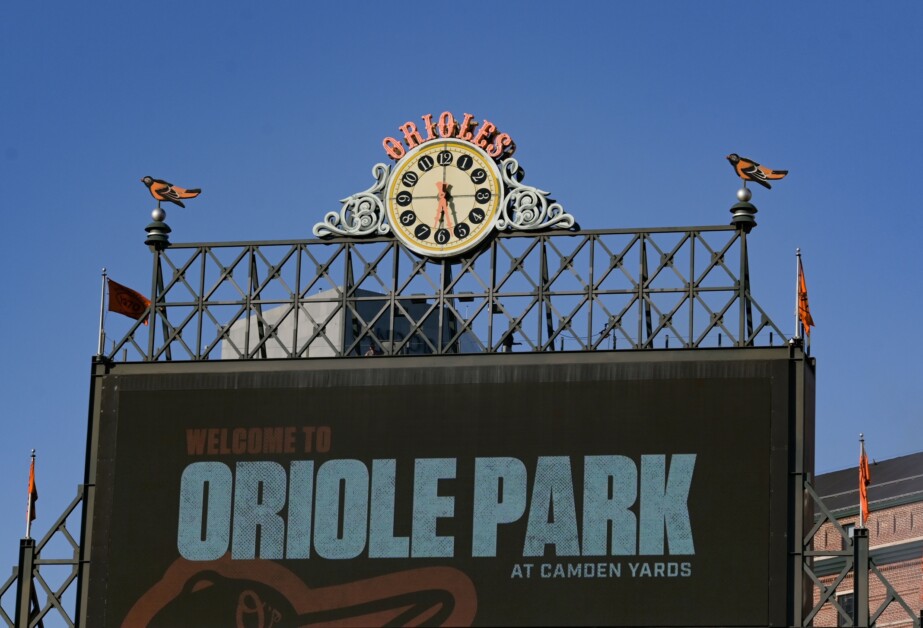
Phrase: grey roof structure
(893, 482)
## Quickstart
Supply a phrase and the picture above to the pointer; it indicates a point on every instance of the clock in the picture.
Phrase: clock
(443, 197)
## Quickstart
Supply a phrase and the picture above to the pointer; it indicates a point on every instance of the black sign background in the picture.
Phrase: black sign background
(733, 414)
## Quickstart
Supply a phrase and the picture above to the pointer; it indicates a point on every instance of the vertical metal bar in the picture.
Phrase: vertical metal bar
(299, 249)
(797, 292)
(694, 237)
(544, 309)
(24, 584)
(490, 295)
(395, 282)
(860, 546)
(200, 305)
(741, 294)
(591, 293)
(247, 304)
(440, 303)
(102, 313)
(801, 591)
(163, 319)
(153, 313)
(99, 370)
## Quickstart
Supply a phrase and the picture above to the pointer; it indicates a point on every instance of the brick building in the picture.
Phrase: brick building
(895, 528)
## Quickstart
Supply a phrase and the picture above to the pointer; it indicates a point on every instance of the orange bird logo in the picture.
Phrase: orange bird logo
(166, 191)
(749, 170)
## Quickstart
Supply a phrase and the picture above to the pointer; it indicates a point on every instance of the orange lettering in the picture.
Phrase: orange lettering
(430, 127)
(225, 449)
(411, 135)
(195, 442)
(290, 440)
(463, 132)
(324, 437)
(447, 124)
(213, 441)
(496, 149)
(484, 135)
(239, 440)
(394, 148)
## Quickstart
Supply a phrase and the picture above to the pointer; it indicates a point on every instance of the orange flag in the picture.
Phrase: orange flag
(864, 478)
(124, 300)
(804, 312)
(33, 491)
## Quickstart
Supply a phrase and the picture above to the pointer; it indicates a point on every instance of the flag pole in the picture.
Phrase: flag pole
(797, 288)
(861, 456)
(29, 497)
(102, 314)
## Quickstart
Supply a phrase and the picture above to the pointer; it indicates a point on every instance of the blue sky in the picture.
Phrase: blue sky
(623, 111)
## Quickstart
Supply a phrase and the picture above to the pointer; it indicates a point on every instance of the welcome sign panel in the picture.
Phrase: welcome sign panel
(405, 491)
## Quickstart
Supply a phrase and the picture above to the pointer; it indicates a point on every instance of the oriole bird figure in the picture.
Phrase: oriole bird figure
(749, 170)
(166, 191)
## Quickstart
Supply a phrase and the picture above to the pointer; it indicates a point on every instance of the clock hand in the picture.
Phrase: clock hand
(442, 214)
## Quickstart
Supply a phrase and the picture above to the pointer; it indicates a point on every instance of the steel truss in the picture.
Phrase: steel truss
(560, 290)
(53, 566)
(855, 552)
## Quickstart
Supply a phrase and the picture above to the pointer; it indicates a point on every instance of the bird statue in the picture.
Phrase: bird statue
(749, 170)
(166, 191)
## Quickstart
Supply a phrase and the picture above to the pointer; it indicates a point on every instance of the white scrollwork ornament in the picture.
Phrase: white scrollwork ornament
(526, 208)
(362, 213)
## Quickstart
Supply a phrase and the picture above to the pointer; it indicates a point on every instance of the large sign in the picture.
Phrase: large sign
(605, 489)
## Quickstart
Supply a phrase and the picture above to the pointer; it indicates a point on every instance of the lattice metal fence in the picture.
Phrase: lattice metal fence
(562, 290)
(48, 596)
(824, 587)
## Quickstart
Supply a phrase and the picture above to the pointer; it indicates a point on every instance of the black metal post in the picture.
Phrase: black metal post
(24, 593)
(860, 550)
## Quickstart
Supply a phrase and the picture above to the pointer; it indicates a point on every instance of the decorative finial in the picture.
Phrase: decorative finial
(743, 194)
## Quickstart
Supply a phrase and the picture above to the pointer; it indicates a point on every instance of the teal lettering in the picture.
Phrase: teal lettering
(604, 476)
(428, 506)
(300, 502)
(351, 479)
(382, 542)
(552, 515)
(259, 495)
(205, 523)
(664, 504)
(499, 497)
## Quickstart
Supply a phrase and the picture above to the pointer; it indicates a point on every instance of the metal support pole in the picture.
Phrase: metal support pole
(860, 550)
(24, 592)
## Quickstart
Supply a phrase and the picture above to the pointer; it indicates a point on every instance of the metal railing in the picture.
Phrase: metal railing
(53, 569)
(561, 290)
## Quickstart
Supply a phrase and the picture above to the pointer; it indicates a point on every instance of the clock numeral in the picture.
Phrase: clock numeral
(444, 158)
(464, 162)
(462, 230)
(408, 218)
(442, 236)
(426, 163)
(404, 198)
(410, 179)
(478, 175)
(482, 195)
(476, 216)
(422, 231)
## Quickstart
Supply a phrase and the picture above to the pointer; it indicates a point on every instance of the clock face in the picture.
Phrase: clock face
(443, 198)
